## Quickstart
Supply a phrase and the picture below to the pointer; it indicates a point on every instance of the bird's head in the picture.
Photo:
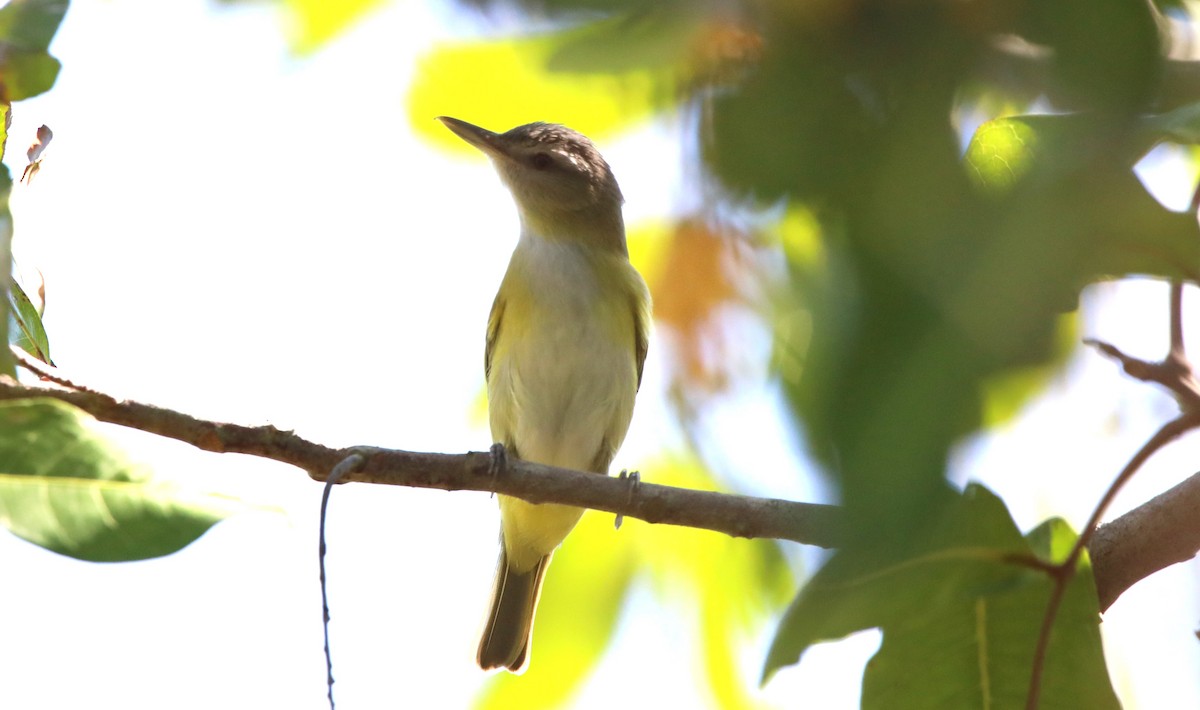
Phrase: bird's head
(561, 183)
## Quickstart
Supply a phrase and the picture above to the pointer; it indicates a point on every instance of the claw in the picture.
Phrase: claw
(635, 480)
(499, 462)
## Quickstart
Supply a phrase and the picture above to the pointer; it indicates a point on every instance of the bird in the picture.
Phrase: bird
(566, 343)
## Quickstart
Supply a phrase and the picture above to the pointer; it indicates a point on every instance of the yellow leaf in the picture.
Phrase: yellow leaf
(737, 585)
(312, 23)
(506, 83)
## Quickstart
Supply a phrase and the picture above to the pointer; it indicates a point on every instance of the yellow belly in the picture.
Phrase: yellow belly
(532, 531)
(562, 380)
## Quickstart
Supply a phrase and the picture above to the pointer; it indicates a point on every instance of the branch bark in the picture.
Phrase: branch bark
(1155, 535)
(1160, 533)
(736, 515)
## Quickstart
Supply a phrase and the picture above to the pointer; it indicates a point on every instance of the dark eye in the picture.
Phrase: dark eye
(541, 161)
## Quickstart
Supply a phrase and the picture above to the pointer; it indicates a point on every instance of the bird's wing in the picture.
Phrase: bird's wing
(641, 334)
(493, 332)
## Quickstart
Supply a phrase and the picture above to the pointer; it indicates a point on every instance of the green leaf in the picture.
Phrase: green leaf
(29, 333)
(1001, 153)
(1030, 149)
(1071, 213)
(652, 40)
(27, 74)
(26, 30)
(1005, 394)
(856, 591)
(5, 124)
(8, 364)
(66, 489)
(31, 24)
(959, 622)
(1003, 150)
(1107, 56)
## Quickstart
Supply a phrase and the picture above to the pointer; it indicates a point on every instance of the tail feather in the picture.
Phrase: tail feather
(509, 630)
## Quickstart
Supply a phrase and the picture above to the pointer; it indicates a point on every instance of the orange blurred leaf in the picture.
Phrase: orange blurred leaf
(693, 282)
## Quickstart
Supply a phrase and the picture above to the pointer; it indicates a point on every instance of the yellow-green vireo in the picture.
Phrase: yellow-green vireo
(566, 340)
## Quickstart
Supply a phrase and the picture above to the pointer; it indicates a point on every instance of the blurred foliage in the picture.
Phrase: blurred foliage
(26, 69)
(951, 602)
(62, 486)
(592, 571)
(697, 282)
(1005, 394)
(926, 292)
(730, 585)
(5, 124)
(312, 23)
(65, 488)
(7, 361)
(597, 77)
(26, 29)
(501, 84)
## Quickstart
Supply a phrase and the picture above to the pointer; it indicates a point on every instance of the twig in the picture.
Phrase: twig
(46, 372)
(1174, 373)
(264, 441)
(1064, 572)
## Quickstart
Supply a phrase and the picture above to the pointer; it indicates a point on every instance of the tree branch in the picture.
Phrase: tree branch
(1155, 535)
(265, 441)
(1175, 373)
(1165, 530)
(1126, 550)
(736, 515)
(1064, 572)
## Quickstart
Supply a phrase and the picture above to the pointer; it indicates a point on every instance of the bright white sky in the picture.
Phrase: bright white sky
(247, 236)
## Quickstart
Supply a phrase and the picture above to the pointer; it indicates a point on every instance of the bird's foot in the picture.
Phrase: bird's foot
(635, 481)
(499, 463)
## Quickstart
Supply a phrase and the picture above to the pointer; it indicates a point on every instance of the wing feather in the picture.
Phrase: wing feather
(493, 332)
(641, 332)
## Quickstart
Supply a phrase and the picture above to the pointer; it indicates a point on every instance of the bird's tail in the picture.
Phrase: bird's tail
(509, 630)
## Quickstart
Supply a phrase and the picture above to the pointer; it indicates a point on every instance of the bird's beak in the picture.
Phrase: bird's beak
(489, 142)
